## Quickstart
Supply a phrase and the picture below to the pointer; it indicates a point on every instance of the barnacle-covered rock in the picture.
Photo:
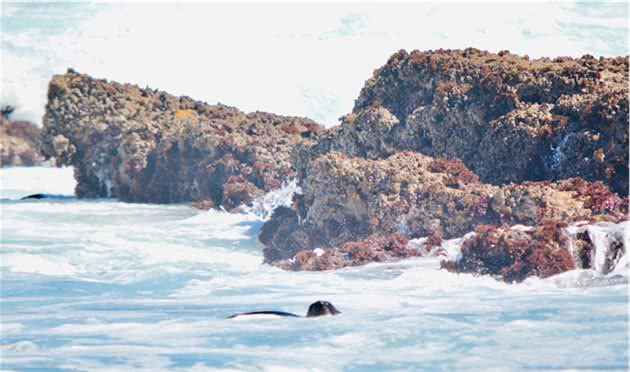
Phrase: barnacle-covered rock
(145, 145)
(508, 118)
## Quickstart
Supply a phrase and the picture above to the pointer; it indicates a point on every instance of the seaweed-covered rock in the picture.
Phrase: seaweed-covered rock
(19, 143)
(552, 247)
(144, 145)
(508, 118)
(514, 254)
(349, 199)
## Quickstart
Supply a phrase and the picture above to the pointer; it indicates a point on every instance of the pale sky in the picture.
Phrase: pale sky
(291, 59)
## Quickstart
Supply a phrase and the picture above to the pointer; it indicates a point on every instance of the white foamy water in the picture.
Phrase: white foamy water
(106, 286)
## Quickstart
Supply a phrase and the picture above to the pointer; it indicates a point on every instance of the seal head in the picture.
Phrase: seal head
(320, 308)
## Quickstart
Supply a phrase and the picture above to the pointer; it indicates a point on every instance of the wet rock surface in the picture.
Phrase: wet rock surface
(143, 145)
(514, 254)
(442, 142)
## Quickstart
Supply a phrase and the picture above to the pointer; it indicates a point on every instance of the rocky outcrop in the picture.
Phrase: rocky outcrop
(143, 145)
(439, 144)
(350, 199)
(508, 118)
(433, 148)
(19, 143)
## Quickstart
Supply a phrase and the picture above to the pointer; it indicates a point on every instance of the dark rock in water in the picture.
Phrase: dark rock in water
(508, 118)
(19, 143)
(279, 235)
(46, 196)
(34, 196)
(600, 246)
(144, 145)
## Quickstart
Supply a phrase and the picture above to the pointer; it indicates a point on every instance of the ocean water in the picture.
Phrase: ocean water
(102, 285)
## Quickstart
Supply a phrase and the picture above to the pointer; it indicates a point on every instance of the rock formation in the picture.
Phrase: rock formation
(508, 118)
(350, 199)
(19, 143)
(143, 145)
(475, 123)
(439, 144)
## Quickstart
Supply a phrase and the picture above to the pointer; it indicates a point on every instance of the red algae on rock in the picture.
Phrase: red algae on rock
(514, 254)
(376, 248)
(598, 197)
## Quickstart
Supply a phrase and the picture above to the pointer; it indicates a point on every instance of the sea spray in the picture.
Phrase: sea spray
(608, 253)
(264, 206)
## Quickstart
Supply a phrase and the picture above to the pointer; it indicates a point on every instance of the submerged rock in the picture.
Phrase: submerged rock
(508, 118)
(143, 145)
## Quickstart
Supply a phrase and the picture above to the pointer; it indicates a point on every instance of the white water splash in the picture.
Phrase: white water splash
(105, 179)
(264, 206)
(449, 250)
(610, 246)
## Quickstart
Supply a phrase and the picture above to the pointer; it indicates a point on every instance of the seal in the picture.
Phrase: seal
(46, 196)
(318, 308)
